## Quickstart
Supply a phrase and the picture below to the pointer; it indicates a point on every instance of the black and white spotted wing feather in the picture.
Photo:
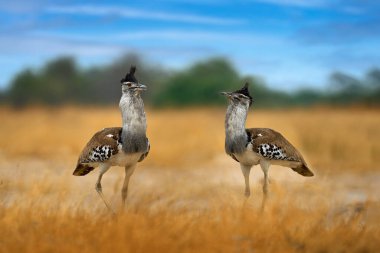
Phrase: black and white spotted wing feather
(273, 146)
(101, 147)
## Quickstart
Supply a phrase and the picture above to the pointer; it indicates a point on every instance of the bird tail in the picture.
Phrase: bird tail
(303, 170)
(82, 169)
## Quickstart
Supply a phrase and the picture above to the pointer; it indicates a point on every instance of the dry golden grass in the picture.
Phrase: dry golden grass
(187, 196)
(329, 139)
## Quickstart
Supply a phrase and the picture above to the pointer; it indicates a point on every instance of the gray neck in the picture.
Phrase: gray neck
(236, 136)
(133, 135)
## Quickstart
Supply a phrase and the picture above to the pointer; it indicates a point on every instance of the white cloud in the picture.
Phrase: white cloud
(42, 46)
(141, 14)
(169, 35)
(22, 6)
(354, 10)
(297, 3)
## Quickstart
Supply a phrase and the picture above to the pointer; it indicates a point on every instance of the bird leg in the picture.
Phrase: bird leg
(98, 187)
(246, 169)
(265, 167)
(124, 191)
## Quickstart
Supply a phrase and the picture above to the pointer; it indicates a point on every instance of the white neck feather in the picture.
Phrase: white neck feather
(236, 117)
(132, 113)
(236, 136)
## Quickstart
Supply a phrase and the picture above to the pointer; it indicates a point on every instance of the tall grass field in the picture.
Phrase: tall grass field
(188, 195)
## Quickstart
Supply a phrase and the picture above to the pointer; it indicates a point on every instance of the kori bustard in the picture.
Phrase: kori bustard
(254, 146)
(119, 146)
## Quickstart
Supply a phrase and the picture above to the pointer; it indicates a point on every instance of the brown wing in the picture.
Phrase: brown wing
(272, 145)
(101, 146)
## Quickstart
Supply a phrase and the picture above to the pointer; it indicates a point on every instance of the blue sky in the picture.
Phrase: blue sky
(288, 43)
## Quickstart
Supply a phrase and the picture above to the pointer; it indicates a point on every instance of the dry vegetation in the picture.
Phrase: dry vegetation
(188, 195)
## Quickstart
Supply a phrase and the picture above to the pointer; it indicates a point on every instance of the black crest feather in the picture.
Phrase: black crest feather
(132, 70)
(130, 77)
(244, 90)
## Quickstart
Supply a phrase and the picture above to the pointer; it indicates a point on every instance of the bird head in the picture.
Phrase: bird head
(240, 96)
(130, 84)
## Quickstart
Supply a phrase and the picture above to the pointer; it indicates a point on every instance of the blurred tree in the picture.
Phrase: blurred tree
(199, 85)
(343, 82)
(25, 89)
(307, 97)
(58, 82)
(3, 97)
(105, 81)
(265, 97)
(345, 89)
(373, 80)
(61, 81)
(64, 82)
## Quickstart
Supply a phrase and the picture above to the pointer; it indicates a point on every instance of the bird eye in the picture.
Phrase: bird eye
(129, 84)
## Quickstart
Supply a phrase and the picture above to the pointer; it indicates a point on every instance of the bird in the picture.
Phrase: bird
(119, 146)
(253, 146)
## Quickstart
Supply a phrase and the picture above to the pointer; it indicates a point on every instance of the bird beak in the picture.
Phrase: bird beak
(141, 87)
(227, 94)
